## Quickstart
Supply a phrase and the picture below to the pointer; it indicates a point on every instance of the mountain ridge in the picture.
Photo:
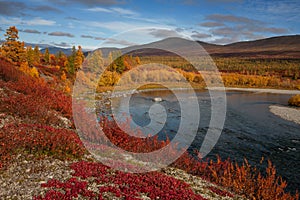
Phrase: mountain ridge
(286, 46)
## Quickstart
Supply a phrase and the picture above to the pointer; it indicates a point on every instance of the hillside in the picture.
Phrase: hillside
(41, 156)
(274, 47)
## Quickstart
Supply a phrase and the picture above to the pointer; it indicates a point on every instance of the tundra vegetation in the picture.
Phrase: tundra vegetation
(37, 119)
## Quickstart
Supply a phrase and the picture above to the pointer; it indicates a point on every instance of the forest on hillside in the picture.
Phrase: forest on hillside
(60, 70)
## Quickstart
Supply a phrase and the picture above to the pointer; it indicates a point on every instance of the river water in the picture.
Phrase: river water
(250, 130)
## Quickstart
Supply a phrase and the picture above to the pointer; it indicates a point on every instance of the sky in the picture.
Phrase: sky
(119, 23)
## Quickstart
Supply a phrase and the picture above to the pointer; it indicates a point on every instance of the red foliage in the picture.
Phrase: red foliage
(33, 95)
(244, 179)
(119, 184)
(35, 103)
(60, 143)
(128, 142)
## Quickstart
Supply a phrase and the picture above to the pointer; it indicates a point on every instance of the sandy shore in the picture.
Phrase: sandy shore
(275, 91)
(287, 113)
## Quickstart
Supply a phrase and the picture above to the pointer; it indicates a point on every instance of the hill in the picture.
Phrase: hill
(274, 47)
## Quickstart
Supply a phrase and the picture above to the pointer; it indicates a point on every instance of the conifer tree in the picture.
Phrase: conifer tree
(12, 48)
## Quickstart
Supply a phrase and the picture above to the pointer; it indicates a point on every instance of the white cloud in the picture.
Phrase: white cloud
(123, 11)
(115, 10)
(164, 33)
(99, 9)
(42, 22)
(31, 22)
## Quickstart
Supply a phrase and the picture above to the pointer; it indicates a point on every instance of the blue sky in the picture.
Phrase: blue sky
(96, 23)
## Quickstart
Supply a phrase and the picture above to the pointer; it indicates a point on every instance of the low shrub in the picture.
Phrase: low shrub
(116, 184)
(39, 139)
(295, 100)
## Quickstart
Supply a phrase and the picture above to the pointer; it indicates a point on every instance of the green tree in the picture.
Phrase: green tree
(71, 59)
(36, 53)
(118, 62)
(30, 55)
(47, 56)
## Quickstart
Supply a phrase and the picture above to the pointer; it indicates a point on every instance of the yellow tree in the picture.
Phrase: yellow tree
(137, 60)
(13, 49)
(78, 59)
(24, 67)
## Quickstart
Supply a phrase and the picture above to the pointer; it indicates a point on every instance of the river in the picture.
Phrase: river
(250, 130)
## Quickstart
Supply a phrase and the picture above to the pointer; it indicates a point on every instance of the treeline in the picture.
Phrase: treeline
(239, 72)
(60, 69)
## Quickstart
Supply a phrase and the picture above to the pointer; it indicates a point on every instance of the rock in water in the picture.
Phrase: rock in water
(157, 99)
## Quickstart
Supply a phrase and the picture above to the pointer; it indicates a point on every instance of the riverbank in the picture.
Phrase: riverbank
(287, 113)
(200, 87)
(261, 90)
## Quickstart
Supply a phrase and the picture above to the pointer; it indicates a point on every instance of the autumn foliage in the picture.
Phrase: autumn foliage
(38, 120)
(295, 100)
(244, 179)
(37, 112)
(116, 184)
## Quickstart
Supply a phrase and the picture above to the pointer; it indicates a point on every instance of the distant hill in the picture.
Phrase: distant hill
(274, 47)
(277, 47)
(54, 50)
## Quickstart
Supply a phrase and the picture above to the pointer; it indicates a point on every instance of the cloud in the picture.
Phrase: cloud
(119, 42)
(62, 44)
(99, 9)
(163, 33)
(87, 36)
(13, 8)
(39, 21)
(236, 28)
(231, 18)
(197, 35)
(99, 2)
(58, 33)
(91, 37)
(224, 31)
(30, 22)
(9, 8)
(211, 24)
(31, 31)
(123, 11)
(72, 18)
(268, 29)
(99, 38)
(179, 29)
(235, 34)
(45, 8)
(115, 10)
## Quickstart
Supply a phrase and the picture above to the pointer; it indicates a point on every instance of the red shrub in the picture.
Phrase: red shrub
(60, 143)
(119, 184)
